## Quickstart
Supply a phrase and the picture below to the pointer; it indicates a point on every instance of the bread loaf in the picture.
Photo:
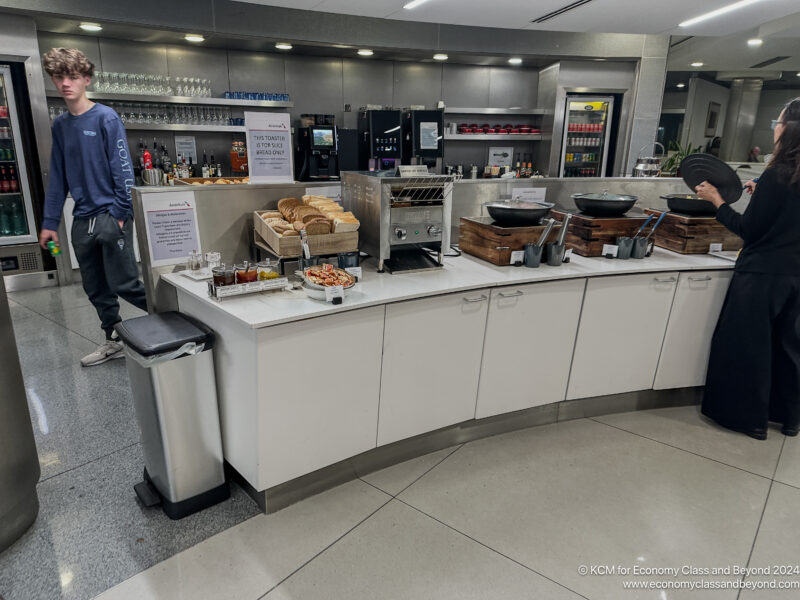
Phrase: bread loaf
(271, 214)
(318, 227)
(289, 232)
(341, 225)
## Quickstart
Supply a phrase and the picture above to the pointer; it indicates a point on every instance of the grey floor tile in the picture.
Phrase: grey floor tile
(789, 464)
(46, 300)
(582, 493)
(684, 427)
(43, 345)
(20, 312)
(80, 414)
(92, 533)
(84, 321)
(399, 553)
(396, 478)
(252, 557)
(777, 544)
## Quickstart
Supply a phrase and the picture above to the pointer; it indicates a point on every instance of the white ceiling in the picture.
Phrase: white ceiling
(602, 16)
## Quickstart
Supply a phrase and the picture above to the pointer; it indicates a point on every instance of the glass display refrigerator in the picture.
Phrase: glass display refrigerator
(587, 129)
(19, 250)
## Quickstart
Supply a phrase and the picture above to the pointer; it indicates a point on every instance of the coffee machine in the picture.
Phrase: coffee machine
(380, 146)
(423, 142)
(316, 155)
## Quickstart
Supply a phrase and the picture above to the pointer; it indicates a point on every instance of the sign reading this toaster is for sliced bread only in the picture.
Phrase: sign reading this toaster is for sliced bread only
(269, 147)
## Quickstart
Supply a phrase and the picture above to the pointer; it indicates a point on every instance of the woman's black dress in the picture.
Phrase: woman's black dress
(754, 366)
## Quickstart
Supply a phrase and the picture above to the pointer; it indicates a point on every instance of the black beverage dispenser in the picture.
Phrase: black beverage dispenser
(423, 132)
(380, 146)
(317, 156)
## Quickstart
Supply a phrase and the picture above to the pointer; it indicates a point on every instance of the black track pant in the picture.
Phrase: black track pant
(754, 367)
(108, 266)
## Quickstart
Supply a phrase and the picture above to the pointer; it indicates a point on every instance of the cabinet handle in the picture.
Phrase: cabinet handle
(480, 298)
(700, 278)
(511, 295)
(502, 247)
(664, 279)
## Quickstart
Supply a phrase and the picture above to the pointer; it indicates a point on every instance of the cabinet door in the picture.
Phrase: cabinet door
(319, 383)
(698, 301)
(431, 363)
(530, 336)
(620, 334)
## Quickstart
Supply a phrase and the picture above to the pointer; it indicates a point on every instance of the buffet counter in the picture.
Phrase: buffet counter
(307, 389)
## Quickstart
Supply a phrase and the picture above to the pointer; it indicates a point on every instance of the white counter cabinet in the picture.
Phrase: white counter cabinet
(620, 334)
(695, 310)
(530, 335)
(431, 363)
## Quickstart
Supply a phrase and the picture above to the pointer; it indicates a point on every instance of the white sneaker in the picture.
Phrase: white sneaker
(110, 350)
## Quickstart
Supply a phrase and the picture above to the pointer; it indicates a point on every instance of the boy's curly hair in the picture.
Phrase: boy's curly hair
(67, 61)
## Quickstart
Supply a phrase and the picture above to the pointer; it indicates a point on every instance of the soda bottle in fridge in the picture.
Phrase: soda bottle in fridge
(5, 217)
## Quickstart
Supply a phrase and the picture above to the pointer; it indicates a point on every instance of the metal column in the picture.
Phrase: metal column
(740, 119)
(19, 462)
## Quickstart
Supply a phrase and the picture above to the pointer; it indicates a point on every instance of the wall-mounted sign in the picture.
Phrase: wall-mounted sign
(185, 146)
(269, 147)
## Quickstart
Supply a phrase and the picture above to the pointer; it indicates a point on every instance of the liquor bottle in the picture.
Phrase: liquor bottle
(12, 178)
(191, 167)
(205, 171)
(212, 168)
(218, 170)
(530, 169)
(166, 162)
(517, 168)
(5, 185)
(141, 154)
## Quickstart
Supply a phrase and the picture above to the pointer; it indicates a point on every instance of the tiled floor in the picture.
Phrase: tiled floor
(91, 532)
(509, 517)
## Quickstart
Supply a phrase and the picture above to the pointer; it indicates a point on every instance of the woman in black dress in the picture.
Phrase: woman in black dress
(754, 367)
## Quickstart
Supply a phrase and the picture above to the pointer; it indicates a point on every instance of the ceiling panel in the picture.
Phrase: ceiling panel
(603, 16)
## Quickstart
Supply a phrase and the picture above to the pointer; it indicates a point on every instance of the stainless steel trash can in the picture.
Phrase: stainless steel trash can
(171, 368)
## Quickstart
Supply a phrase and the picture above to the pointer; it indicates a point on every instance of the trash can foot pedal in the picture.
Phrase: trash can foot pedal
(147, 493)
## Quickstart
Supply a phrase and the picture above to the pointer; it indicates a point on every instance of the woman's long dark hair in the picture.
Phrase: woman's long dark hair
(786, 159)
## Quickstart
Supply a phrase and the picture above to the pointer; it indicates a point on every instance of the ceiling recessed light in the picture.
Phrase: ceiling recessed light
(194, 37)
(718, 12)
(755, 42)
(515, 61)
(365, 52)
(283, 46)
(697, 64)
(440, 57)
(414, 4)
(681, 85)
(90, 27)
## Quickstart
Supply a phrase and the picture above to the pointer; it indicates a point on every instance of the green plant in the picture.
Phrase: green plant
(673, 161)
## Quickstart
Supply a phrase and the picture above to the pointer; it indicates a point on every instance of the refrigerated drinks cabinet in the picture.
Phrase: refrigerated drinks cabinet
(587, 129)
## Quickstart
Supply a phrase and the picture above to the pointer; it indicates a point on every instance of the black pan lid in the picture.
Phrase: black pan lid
(697, 168)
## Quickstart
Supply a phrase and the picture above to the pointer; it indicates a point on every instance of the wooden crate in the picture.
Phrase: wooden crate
(290, 246)
(481, 237)
(693, 235)
(587, 235)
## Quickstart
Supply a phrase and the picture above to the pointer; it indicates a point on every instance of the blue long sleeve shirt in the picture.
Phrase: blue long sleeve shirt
(91, 161)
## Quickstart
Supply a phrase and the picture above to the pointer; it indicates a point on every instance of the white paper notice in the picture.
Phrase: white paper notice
(269, 147)
(336, 291)
(529, 194)
(429, 136)
(517, 256)
(715, 247)
(185, 146)
(172, 232)
(610, 250)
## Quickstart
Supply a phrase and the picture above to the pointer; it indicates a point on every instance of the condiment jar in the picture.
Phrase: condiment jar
(213, 259)
(267, 270)
(195, 261)
(246, 273)
(223, 275)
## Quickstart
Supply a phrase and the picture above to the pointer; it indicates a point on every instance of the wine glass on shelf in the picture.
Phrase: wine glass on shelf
(168, 91)
(113, 82)
(100, 81)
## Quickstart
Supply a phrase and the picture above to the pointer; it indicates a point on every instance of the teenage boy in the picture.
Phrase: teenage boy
(91, 161)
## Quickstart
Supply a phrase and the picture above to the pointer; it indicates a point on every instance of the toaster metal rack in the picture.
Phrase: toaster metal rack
(401, 217)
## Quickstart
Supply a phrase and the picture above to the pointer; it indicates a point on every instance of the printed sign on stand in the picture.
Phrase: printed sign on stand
(172, 231)
(269, 147)
(531, 194)
(185, 146)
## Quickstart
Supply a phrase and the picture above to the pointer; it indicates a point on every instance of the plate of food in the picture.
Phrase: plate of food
(317, 278)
